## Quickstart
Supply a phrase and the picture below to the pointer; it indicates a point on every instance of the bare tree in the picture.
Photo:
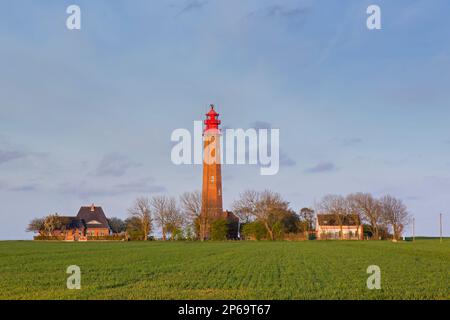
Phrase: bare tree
(369, 209)
(141, 210)
(159, 204)
(265, 207)
(167, 215)
(174, 218)
(337, 207)
(246, 205)
(395, 215)
(36, 225)
(191, 205)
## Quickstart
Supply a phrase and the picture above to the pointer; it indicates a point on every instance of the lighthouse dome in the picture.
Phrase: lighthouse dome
(212, 121)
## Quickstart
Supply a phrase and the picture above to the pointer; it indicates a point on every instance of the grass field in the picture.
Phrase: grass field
(225, 270)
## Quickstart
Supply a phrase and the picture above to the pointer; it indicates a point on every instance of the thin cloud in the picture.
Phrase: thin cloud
(10, 155)
(416, 95)
(297, 15)
(86, 190)
(260, 125)
(25, 188)
(413, 198)
(286, 161)
(3, 185)
(347, 141)
(192, 5)
(280, 11)
(114, 165)
(11, 152)
(227, 177)
(322, 167)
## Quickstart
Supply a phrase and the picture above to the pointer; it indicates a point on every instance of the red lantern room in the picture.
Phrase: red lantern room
(212, 122)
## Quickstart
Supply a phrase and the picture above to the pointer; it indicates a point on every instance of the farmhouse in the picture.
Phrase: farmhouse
(90, 221)
(95, 219)
(71, 228)
(334, 226)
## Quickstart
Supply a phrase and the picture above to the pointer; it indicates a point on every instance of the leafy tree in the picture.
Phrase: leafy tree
(190, 233)
(367, 231)
(384, 233)
(219, 230)
(307, 215)
(134, 228)
(278, 231)
(289, 222)
(51, 223)
(117, 225)
(254, 229)
(177, 234)
(266, 207)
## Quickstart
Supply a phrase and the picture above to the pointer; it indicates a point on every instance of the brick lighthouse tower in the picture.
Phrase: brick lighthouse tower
(212, 176)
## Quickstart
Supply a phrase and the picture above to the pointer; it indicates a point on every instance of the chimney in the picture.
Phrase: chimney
(92, 208)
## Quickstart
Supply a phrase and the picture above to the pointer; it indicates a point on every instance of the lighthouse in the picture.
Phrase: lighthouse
(212, 208)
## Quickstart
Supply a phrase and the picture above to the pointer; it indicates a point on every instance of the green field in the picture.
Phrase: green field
(225, 270)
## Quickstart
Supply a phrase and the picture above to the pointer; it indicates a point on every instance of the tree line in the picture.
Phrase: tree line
(262, 215)
(267, 215)
(383, 218)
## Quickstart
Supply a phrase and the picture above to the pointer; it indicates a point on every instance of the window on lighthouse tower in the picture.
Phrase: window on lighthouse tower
(212, 178)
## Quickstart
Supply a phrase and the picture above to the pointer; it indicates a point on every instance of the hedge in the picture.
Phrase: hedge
(42, 237)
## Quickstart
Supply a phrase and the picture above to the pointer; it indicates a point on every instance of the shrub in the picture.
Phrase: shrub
(54, 238)
(178, 235)
(111, 237)
(189, 233)
(219, 230)
(254, 230)
(299, 236)
(134, 235)
(278, 232)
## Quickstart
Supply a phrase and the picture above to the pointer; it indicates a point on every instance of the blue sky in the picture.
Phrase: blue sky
(86, 116)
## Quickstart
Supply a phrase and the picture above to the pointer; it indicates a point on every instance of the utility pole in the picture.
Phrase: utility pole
(440, 225)
(414, 229)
